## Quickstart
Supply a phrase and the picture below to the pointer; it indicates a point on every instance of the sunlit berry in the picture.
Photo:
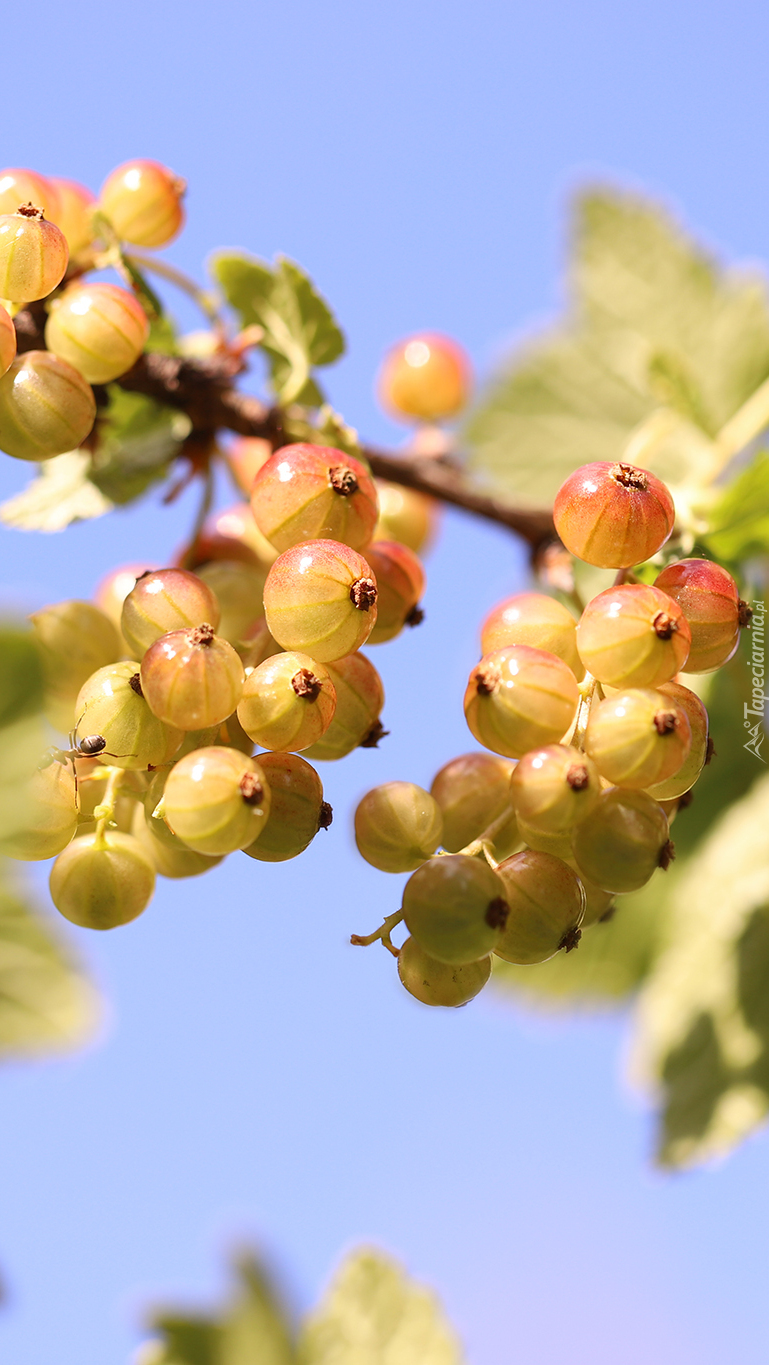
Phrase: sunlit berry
(143, 202)
(710, 600)
(7, 340)
(111, 704)
(320, 598)
(238, 589)
(613, 515)
(554, 787)
(472, 791)
(673, 787)
(112, 590)
(245, 458)
(547, 903)
(427, 377)
(166, 600)
(74, 638)
(309, 492)
(19, 187)
(101, 329)
(456, 908)
(297, 808)
(46, 407)
(637, 737)
(519, 698)
(191, 678)
(633, 636)
(397, 826)
(102, 881)
(75, 213)
(173, 860)
(44, 816)
(287, 702)
(440, 983)
(534, 619)
(217, 800)
(406, 516)
(623, 840)
(33, 255)
(359, 701)
(400, 581)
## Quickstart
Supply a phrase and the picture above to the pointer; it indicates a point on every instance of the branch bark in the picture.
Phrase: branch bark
(204, 390)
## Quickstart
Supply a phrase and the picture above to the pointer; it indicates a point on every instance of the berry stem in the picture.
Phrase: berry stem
(480, 845)
(382, 933)
(587, 690)
(204, 508)
(105, 811)
(183, 282)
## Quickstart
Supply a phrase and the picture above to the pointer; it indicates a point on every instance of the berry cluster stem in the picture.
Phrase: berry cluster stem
(382, 933)
(587, 690)
(105, 811)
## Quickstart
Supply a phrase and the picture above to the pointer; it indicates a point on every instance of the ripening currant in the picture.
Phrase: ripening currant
(546, 841)
(405, 515)
(534, 619)
(232, 534)
(671, 788)
(397, 826)
(633, 636)
(28, 187)
(245, 458)
(111, 704)
(112, 590)
(547, 904)
(143, 202)
(320, 598)
(710, 600)
(623, 841)
(440, 983)
(166, 600)
(288, 702)
(74, 639)
(638, 737)
(297, 808)
(33, 255)
(456, 908)
(308, 492)
(7, 341)
(554, 787)
(518, 698)
(191, 678)
(102, 881)
(426, 377)
(359, 701)
(100, 329)
(75, 213)
(46, 407)
(257, 645)
(43, 819)
(173, 860)
(613, 515)
(400, 581)
(472, 791)
(238, 589)
(217, 800)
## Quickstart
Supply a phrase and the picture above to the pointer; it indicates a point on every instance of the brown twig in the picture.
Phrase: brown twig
(203, 389)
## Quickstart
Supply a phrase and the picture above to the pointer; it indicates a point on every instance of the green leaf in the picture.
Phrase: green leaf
(704, 1019)
(300, 331)
(738, 524)
(21, 675)
(251, 1330)
(375, 1315)
(60, 494)
(137, 442)
(183, 1341)
(610, 962)
(46, 1003)
(658, 347)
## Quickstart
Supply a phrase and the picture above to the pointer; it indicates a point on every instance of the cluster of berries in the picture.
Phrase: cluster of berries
(594, 740)
(52, 232)
(174, 676)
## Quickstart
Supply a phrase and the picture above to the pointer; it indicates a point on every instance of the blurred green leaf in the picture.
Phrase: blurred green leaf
(137, 442)
(251, 1330)
(46, 1003)
(658, 343)
(300, 331)
(704, 1018)
(738, 524)
(21, 674)
(61, 493)
(375, 1315)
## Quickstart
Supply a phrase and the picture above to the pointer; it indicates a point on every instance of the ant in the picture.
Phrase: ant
(90, 746)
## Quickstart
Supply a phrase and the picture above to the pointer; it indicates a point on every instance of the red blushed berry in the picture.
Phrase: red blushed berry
(191, 679)
(534, 619)
(33, 255)
(320, 598)
(633, 636)
(518, 698)
(101, 329)
(143, 202)
(75, 213)
(309, 492)
(613, 515)
(400, 581)
(671, 788)
(554, 787)
(162, 601)
(28, 187)
(426, 377)
(7, 341)
(710, 600)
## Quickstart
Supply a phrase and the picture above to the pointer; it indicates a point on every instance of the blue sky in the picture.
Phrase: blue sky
(255, 1075)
